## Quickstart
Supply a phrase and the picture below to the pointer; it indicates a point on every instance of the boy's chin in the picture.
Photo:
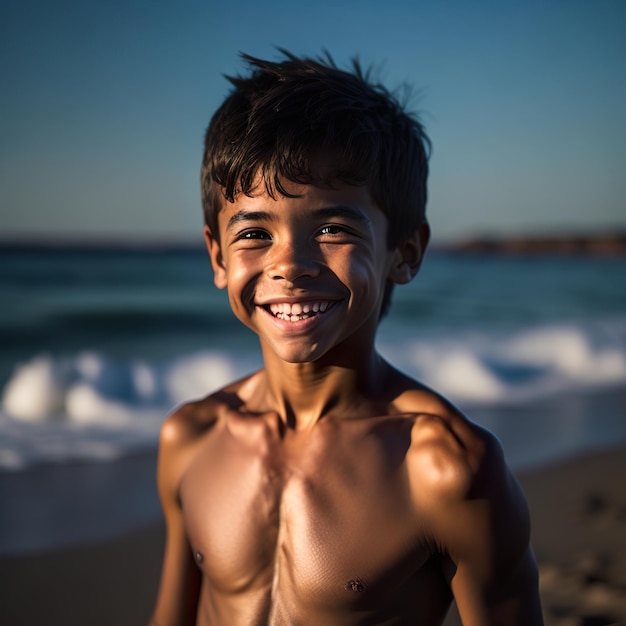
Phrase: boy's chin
(298, 354)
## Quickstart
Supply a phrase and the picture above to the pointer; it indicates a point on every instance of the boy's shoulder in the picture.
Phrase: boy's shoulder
(451, 452)
(461, 483)
(185, 430)
(193, 419)
(453, 462)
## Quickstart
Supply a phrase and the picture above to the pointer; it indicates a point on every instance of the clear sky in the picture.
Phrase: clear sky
(104, 104)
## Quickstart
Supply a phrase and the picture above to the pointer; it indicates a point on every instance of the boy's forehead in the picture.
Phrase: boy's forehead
(319, 179)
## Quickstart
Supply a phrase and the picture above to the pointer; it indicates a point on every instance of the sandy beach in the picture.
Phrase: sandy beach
(579, 537)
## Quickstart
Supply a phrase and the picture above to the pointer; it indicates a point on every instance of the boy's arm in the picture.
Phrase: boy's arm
(177, 599)
(480, 520)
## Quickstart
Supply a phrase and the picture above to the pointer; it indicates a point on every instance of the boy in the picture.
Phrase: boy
(328, 488)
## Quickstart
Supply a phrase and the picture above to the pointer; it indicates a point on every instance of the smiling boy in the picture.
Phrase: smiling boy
(328, 488)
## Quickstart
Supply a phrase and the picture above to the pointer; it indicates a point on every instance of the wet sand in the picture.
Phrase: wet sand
(579, 537)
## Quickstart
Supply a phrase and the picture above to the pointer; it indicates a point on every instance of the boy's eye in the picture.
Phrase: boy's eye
(332, 229)
(254, 234)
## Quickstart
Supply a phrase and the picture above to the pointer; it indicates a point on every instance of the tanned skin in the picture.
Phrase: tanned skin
(329, 489)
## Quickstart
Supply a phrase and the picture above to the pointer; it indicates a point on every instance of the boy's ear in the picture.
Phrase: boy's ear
(215, 252)
(408, 256)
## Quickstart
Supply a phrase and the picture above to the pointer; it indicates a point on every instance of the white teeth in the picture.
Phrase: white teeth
(297, 311)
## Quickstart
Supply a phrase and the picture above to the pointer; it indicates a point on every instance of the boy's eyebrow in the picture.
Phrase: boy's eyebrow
(340, 210)
(249, 216)
(337, 210)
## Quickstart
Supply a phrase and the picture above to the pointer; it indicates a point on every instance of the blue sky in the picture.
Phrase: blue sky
(104, 105)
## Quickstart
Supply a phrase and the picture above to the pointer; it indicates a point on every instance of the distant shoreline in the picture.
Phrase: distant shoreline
(596, 244)
(606, 244)
(99, 245)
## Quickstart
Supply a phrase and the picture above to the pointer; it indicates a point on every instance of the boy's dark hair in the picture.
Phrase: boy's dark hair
(283, 115)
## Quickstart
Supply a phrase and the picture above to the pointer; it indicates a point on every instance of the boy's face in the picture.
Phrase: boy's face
(307, 274)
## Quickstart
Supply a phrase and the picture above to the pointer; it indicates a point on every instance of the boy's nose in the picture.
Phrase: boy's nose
(292, 261)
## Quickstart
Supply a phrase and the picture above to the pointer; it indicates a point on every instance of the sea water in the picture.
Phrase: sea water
(98, 346)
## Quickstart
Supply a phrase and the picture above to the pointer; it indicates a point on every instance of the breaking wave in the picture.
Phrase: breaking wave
(88, 406)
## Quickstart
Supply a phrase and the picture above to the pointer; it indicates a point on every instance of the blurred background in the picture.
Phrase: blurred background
(108, 314)
(109, 317)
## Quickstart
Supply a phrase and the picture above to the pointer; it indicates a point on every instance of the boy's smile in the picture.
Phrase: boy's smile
(306, 273)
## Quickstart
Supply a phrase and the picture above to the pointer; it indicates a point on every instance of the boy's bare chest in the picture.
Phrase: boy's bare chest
(332, 521)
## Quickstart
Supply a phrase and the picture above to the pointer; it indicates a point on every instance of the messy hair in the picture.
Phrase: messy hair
(279, 119)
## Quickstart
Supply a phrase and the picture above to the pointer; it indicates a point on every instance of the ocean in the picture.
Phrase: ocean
(98, 346)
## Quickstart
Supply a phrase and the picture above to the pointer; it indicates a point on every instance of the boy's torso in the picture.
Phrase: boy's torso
(316, 527)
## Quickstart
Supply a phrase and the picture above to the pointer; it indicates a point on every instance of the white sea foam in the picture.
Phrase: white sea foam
(519, 367)
(88, 406)
(91, 407)
(35, 392)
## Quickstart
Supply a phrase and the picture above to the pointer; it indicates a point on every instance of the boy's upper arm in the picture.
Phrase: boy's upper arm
(180, 578)
(480, 519)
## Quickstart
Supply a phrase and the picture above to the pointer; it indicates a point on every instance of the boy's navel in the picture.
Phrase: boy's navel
(355, 584)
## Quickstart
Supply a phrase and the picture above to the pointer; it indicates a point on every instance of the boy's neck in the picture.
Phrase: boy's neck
(304, 393)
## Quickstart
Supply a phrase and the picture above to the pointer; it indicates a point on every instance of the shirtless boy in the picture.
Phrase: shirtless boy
(328, 488)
